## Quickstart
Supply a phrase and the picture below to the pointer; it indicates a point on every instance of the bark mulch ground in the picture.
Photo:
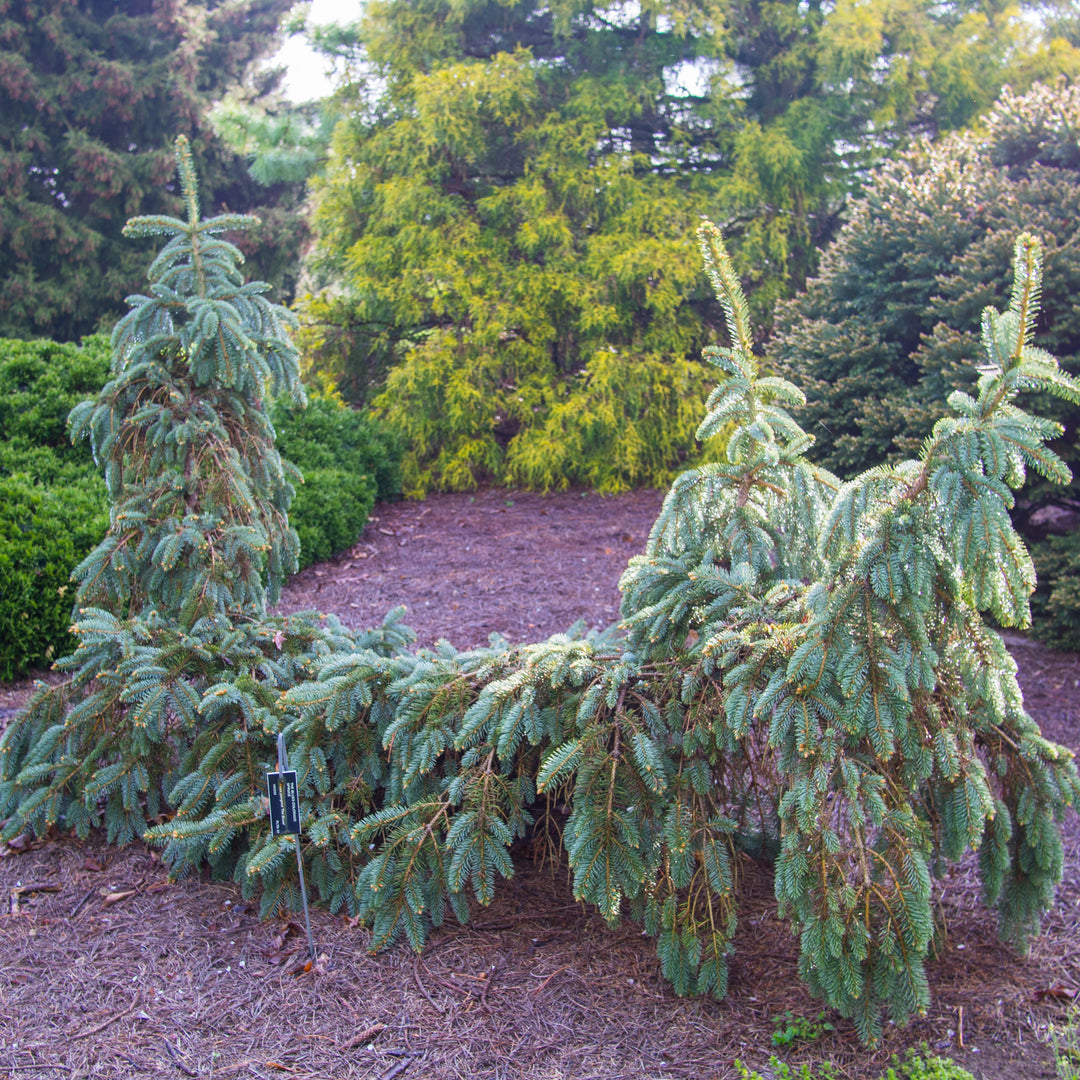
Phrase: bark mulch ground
(518, 564)
(108, 969)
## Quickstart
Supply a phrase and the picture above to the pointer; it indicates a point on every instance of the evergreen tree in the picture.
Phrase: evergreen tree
(90, 95)
(178, 668)
(200, 497)
(842, 708)
(808, 676)
(198, 524)
(507, 218)
(887, 329)
(805, 672)
(285, 141)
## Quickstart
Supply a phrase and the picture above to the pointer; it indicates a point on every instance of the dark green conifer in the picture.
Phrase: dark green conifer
(91, 93)
(890, 326)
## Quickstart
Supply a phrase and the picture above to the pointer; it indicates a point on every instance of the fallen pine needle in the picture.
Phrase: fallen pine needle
(423, 989)
(549, 978)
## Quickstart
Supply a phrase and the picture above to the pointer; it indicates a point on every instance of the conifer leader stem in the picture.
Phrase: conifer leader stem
(1027, 264)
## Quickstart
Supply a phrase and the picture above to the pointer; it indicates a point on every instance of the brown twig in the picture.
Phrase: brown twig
(82, 903)
(399, 1068)
(423, 989)
(39, 1065)
(236, 1066)
(26, 890)
(487, 984)
(104, 1024)
(175, 1055)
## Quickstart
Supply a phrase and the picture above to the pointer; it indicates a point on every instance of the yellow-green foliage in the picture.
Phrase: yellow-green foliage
(522, 298)
(621, 423)
(507, 213)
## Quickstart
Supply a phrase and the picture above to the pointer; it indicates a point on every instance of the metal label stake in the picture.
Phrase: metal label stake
(284, 794)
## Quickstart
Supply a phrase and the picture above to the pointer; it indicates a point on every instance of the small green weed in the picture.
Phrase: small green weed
(916, 1067)
(913, 1067)
(1065, 1038)
(791, 1029)
(781, 1070)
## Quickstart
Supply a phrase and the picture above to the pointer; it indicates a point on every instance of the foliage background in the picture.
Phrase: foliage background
(886, 330)
(348, 461)
(91, 96)
(53, 506)
(504, 225)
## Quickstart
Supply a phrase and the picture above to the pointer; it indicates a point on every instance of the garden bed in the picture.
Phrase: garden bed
(108, 969)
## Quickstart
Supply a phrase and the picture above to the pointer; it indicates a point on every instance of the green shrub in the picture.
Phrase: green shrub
(348, 461)
(53, 507)
(41, 382)
(328, 434)
(913, 1067)
(44, 533)
(781, 1070)
(1055, 604)
(791, 1029)
(47, 467)
(329, 511)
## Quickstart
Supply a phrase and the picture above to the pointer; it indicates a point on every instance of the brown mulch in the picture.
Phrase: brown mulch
(108, 969)
(466, 566)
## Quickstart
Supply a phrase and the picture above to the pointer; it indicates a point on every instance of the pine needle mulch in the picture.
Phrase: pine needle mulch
(108, 969)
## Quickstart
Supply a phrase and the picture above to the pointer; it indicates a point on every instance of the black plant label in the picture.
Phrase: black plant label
(284, 803)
